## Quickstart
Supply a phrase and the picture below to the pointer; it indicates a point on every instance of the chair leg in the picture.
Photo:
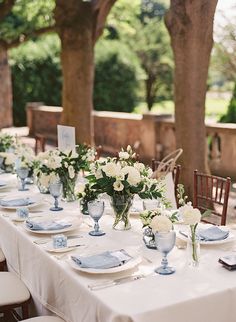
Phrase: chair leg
(3, 266)
(25, 310)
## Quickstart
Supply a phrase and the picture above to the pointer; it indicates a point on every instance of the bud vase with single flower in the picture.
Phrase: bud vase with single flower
(68, 188)
(193, 247)
(121, 205)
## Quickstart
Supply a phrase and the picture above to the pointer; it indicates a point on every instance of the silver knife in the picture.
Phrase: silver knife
(117, 281)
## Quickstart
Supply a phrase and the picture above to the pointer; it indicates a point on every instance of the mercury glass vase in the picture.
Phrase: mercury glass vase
(121, 205)
(193, 248)
(68, 188)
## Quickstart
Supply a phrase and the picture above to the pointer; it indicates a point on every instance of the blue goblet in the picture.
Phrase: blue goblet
(165, 242)
(55, 189)
(22, 174)
(95, 210)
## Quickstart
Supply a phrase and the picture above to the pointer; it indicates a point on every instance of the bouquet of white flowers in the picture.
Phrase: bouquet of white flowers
(65, 165)
(121, 178)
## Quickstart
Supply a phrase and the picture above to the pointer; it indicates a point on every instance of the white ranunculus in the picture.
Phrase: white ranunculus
(71, 171)
(161, 224)
(118, 186)
(54, 162)
(190, 215)
(111, 169)
(123, 155)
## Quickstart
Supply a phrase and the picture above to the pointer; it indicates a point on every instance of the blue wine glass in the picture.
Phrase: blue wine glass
(22, 174)
(165, 242)
(55, 189)
(95, 210)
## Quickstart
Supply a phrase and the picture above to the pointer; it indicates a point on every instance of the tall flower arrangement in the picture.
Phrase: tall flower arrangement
(65, 165)
(121, 178)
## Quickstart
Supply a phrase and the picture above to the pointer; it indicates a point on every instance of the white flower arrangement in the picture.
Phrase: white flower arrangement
(159, 219)
(161, 223)
(124, 176)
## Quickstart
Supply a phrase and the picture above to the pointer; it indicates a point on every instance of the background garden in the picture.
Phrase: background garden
(133, 63)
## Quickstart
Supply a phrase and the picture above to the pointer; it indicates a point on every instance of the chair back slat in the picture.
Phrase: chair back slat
(211, 192)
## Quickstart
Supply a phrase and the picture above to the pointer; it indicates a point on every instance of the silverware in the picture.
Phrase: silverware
(35, 211)
(117, 281)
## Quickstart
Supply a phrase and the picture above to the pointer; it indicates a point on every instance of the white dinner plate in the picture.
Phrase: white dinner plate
(37, 200)
(128, 265)
(3, 184)
(230, 237)
(75, 223)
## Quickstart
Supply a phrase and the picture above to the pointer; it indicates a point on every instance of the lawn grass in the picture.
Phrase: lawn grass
(215, 107)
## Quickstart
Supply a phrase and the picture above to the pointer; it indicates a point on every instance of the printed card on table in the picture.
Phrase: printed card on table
(66, 137)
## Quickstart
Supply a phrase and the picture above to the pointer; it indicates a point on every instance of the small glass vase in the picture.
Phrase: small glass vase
(149, 238)
(121, 205)
(193, 248)
(68, 188)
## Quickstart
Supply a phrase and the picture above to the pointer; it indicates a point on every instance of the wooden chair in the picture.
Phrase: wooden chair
(211, 192)
(2, 261)
(13, 294)
(160, 170)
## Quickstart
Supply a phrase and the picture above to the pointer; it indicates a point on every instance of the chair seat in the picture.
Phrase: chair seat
(44, 319)
(13, 290)
(2, 257)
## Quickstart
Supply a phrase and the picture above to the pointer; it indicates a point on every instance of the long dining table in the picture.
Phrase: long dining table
(206, 293)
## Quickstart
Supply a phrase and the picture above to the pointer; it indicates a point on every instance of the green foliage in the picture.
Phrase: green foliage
(230, 116)
(116, 76)
(36, 75)
(25, 17)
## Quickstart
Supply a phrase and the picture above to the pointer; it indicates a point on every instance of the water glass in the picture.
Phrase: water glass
(55, 189)
(151, 204)
(95, 210)
(22, 174)
(165, 242)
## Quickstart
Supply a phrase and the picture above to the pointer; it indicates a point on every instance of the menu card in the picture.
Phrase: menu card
(66, 137)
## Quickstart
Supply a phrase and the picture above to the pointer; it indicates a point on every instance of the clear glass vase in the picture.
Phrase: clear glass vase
(68, 188)
(121, 205)
(193, 249)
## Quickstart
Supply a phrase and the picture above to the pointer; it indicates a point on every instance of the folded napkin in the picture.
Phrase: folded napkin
(212, 234)
(47, 225)
(103, 260)
(16, 202)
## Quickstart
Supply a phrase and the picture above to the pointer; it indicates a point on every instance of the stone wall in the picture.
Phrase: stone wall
(153, 136)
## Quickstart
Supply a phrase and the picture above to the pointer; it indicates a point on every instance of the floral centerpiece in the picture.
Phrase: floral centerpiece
(121, 178)
(192, 217)
(159, 219)
(7, 158)
(65, 165)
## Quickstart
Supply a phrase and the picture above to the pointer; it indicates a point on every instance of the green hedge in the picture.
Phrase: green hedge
(230, 116)
(116, 77)
(36, 75)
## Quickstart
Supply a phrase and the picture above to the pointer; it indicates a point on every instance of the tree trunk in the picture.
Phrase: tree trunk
(190, 24)
(6, 119)
(74, 20)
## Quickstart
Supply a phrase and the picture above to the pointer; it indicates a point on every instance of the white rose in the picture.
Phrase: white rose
(161, 224)
(71, 171)
(111, 169)
(54, 162)
(133, 175)
(190, 215)
(123, 155)
(118, 186)
(80, 188)
(139, 166)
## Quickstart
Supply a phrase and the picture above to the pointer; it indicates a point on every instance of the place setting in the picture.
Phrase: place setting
(12, 202)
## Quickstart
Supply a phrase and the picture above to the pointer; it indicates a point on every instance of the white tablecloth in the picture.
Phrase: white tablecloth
(207, 293)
